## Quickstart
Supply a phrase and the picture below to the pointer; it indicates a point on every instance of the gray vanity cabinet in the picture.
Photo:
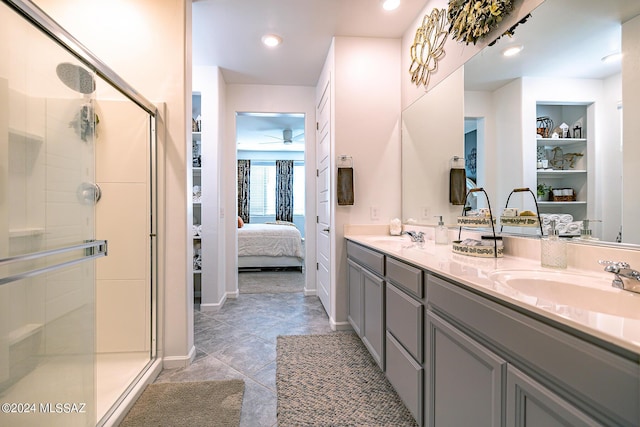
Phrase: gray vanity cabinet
(355, 314)
(530, 404)
(553, 377)
(464, 378)
(373, 325)
(404, 324)
(366, 287)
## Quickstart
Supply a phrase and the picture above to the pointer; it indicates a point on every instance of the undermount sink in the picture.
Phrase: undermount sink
(397, 243)
(381, 239)
(560, 290)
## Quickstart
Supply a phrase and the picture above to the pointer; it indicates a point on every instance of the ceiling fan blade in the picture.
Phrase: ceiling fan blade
(274, 137)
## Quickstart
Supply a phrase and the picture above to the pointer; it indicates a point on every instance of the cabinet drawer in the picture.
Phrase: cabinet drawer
(406, 376)
(600, 382)
(404, 320)
(373, 260)
(405, 276)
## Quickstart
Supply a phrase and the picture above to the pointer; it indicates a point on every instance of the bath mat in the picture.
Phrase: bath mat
(201, 403)
(332, 380)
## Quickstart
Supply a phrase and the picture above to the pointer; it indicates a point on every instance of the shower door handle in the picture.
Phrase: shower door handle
(92, 249)
(89, 193)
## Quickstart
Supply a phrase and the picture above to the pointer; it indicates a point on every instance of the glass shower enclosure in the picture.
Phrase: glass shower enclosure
(77, 239)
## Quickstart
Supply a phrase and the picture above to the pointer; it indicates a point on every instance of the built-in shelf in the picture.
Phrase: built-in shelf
(23, 332)
(26, 232)
(196, 202)
(23, 136)
(552, 173)
(544, 142)
(578, 202)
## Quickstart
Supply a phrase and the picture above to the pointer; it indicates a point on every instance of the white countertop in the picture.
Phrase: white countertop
(610, 314)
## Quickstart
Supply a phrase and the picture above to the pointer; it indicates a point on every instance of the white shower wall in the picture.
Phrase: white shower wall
(122, 217)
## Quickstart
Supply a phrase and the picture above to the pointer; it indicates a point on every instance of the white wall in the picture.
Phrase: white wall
(366, 126)
(631, 141)
(263, 98)
(609, 158)
(208, 81)
(432, 134)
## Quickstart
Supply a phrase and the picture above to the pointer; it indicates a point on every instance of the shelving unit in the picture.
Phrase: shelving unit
(196, 165)
(568, 162)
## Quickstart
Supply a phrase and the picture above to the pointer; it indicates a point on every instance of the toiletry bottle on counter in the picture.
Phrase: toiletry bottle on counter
(553, 249)
(585, 231)
(442, 233)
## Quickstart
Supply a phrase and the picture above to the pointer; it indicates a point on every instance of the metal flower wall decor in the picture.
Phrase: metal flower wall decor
(471, 20)
(428, 46)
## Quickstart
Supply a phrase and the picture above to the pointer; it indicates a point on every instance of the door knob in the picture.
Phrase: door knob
(326, 229)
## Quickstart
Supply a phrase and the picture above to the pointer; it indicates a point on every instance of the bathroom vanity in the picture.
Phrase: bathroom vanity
(495, 342)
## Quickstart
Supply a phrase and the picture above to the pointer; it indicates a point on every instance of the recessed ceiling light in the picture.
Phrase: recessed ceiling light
(271, 40)
(512, 50)
(390, 4)
(613, 57)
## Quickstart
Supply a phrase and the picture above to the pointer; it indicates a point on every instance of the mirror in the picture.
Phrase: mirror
(494, 103)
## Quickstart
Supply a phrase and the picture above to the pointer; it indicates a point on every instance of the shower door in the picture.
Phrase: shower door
(48, 244)
(76, 185)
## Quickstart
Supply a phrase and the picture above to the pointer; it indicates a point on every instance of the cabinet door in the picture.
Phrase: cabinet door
(373, 326)
(530, 404)
(464, 379)
(405, 319)
(406, 377)
(355, 296)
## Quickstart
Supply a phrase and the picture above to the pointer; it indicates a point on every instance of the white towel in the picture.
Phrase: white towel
(566, 218)
(574, 227)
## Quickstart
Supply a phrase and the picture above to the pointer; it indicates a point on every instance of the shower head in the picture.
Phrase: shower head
(76, 77)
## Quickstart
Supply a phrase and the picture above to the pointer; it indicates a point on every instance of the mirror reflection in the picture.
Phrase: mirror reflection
(549, 118)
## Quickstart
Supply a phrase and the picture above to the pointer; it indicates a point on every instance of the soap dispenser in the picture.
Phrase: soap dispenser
(442, 233)
(585, 231)
(553, 249)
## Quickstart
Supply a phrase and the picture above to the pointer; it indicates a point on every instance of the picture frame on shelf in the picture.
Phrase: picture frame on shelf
(577, 132)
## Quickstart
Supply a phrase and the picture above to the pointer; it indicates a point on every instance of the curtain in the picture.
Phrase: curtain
(244, 173)
(284, 190)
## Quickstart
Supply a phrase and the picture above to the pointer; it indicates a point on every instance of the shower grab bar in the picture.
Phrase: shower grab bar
(93, 249)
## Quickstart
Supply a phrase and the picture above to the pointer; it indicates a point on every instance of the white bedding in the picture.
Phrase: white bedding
(269, 240)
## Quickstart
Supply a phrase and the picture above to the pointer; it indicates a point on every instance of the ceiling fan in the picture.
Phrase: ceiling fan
(287, 137)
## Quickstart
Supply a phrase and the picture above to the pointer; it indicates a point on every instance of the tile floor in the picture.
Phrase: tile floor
(239, 341)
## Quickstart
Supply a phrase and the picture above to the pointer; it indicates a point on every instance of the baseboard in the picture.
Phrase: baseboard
(173, 362)
(310, 292)
(215, 306)
(233, 294)
(119, 413)
(339, 326)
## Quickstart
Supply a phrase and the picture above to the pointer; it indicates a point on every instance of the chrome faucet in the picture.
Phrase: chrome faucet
(625, 277)
(416, 236)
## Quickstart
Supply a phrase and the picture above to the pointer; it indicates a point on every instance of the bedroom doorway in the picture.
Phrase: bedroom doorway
(271, 202)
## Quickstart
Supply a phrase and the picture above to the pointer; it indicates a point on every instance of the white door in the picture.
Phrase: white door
(323, 190)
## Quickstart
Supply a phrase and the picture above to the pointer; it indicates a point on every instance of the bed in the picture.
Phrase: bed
(270, 245)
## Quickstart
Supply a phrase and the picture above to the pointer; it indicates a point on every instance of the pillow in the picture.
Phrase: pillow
(240, 222)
